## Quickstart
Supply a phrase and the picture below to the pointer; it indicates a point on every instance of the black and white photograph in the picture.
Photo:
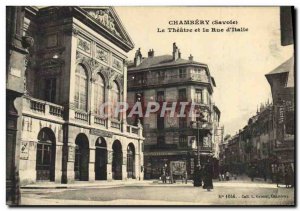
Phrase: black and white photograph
(150, 105)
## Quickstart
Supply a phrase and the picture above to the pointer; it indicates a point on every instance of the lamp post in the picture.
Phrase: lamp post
(198, 141)
(198, 144)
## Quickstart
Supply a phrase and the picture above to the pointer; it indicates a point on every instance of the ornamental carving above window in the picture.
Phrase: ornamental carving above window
(105, 19)
(84, 45)
(117, 63)
(101, 54)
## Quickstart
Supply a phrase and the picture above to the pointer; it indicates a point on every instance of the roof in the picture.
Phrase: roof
(291, 80)
(285, 67)
(160, 61)
(114, 30)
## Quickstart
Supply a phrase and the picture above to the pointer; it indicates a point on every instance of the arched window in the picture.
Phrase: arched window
(99, 94)
(115, 96)
(115, 93)
(80, 88)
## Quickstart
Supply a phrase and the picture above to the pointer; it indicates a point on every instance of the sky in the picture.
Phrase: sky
(238, 61)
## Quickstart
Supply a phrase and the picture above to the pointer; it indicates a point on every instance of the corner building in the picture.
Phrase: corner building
(170, 78)
(77, 62)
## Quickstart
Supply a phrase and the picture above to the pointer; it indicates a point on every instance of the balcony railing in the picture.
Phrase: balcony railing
(43, 108)
(99, 120)
(115, 124)
(37, 105)
(177, 78)
(55, 110)
(133, 130)
(81, 115)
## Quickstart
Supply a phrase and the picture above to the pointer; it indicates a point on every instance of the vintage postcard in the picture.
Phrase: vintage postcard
(143, 106)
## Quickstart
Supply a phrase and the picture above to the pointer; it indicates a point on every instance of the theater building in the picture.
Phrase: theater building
(77, 62)
(170, 78)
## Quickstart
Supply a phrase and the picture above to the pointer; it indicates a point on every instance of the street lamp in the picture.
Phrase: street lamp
(198, 141)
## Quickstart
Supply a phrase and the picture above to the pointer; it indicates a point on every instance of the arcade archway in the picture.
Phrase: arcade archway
(117, 160)
(45, 155)
(101, 159)
(81, 165)
(130, 161)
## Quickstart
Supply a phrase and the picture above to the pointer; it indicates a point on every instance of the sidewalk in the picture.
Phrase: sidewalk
(78, 184)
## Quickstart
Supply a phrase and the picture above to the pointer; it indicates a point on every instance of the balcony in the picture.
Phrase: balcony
(133, 130)
(40, 108)
(169, 79)
(50, 111)
(202, 126)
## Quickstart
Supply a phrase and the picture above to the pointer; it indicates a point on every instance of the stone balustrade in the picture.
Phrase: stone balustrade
(42, 108)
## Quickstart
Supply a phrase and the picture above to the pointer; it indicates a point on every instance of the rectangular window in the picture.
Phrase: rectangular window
(161, 75)
(139, 97)
(182, 73)
(182, 141)
(182, 122)
(199, 96)
(160, 96)
(160, 140)
(160, 122)
(50, 89)
(182, 95)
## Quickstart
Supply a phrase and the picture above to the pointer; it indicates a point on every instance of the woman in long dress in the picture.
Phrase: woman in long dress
(208, 171)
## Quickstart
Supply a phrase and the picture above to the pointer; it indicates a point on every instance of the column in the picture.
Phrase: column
(58, 161)
(109, 161)
(141, 160)
(137, 168)
(68, 173)
(124, 163)
(92, 165)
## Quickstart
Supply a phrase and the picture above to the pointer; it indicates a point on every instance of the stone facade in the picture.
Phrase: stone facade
(78, 62)
(16, 62)
(169, 78)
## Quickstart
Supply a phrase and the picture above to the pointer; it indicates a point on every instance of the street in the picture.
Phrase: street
(236, 192)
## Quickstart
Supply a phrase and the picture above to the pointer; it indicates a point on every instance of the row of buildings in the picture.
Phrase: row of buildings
(62, 64)
(267, 142)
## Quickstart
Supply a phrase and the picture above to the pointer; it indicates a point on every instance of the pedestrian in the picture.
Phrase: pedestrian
(197, 176)
(220, 177)
(252, 173)
(227, 174)
(164, 176)
(208, 175)
(265, 176)
(286, 177)
(278, 176)
(292, 178)
(289, 175)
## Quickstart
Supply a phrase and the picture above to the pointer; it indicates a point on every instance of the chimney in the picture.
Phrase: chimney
(151, 53)
(138, 57)
(191, 57)
(176, 53)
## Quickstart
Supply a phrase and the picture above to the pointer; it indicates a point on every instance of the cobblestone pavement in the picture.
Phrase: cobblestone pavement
(153, 193)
